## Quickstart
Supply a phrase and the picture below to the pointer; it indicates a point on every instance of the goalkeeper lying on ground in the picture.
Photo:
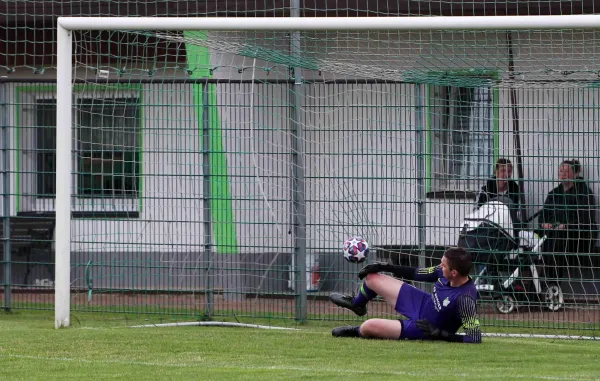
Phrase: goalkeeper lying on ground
(435, 316)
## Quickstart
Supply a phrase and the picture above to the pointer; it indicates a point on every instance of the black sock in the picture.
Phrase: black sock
(364, 296)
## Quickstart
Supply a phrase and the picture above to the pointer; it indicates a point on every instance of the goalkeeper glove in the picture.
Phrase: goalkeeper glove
(373, 269)
(433, 332)
(429, 329)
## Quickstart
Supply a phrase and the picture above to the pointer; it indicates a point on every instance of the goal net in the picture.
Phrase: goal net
(216, 174)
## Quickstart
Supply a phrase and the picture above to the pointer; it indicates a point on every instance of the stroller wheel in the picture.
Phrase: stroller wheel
(553, 297)
(506, 304)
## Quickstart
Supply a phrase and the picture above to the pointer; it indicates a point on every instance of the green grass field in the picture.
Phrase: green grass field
(31, 349)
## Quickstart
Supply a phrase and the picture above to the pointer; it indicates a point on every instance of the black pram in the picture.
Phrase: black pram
(489, 233)
(506, 258)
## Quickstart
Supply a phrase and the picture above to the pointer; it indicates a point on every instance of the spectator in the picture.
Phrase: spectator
(568, 218)
(500, 184)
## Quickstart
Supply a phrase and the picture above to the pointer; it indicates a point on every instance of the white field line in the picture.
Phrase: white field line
(487, 334)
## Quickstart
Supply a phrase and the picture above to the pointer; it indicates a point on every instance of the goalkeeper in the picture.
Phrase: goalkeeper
(436, 316)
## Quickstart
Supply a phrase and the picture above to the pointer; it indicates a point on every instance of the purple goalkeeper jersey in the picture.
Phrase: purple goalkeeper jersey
(449, 308)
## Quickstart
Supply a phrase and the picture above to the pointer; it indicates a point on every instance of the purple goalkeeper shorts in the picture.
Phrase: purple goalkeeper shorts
(410, 303)
(410, 331)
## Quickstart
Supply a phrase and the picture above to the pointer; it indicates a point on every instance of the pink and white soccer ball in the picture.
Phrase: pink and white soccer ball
(356, 249)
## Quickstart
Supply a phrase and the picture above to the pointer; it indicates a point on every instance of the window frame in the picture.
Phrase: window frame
(445, 193)
(26, 97)
(40, 193)
(79, 160)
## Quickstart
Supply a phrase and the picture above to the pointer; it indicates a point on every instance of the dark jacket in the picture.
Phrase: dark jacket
(490, 191)
(574, 208)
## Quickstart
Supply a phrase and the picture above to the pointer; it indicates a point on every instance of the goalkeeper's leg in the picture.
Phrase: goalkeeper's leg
(385, 286)
(406, 299)
(382, 329)
(371, 329)
(375, 284)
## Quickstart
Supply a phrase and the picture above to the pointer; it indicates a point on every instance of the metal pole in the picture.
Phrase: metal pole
(421, 172)
(64, 164)
(6, 196)
(514, 106)
(298, 181)
(206, 150)
(411, 23)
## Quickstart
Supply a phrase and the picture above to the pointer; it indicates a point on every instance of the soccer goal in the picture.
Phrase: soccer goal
(213, 167)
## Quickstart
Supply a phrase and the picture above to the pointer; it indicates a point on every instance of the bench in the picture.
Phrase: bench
(28, 235)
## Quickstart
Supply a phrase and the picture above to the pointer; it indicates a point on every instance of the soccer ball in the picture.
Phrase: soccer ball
(356, 249)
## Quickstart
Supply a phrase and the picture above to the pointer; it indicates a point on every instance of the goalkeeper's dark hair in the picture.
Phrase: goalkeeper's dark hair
(459, 259)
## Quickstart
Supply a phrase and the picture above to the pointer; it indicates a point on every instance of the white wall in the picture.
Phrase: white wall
(256, 138)
(361, 153)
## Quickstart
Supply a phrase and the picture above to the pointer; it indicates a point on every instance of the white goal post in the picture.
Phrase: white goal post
(66, 25)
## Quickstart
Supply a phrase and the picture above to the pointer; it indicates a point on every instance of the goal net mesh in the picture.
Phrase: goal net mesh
(218, 174)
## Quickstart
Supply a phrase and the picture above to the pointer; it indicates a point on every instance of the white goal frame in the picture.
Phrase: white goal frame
(66, 25)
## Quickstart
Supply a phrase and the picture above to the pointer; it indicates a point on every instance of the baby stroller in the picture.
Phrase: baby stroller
(509, 263)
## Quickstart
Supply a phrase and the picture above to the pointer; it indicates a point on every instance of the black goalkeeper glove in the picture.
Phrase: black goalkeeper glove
(429, 329)
(373, 269)
(435, 333)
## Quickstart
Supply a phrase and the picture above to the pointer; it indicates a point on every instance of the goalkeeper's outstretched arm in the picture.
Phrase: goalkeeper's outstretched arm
(425, 274)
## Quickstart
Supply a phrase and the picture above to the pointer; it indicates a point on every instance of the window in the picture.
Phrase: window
(107, 148)
(46, 147)
(461, 121)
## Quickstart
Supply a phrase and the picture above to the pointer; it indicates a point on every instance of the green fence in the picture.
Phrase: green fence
(186, 193)
(217, 175)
